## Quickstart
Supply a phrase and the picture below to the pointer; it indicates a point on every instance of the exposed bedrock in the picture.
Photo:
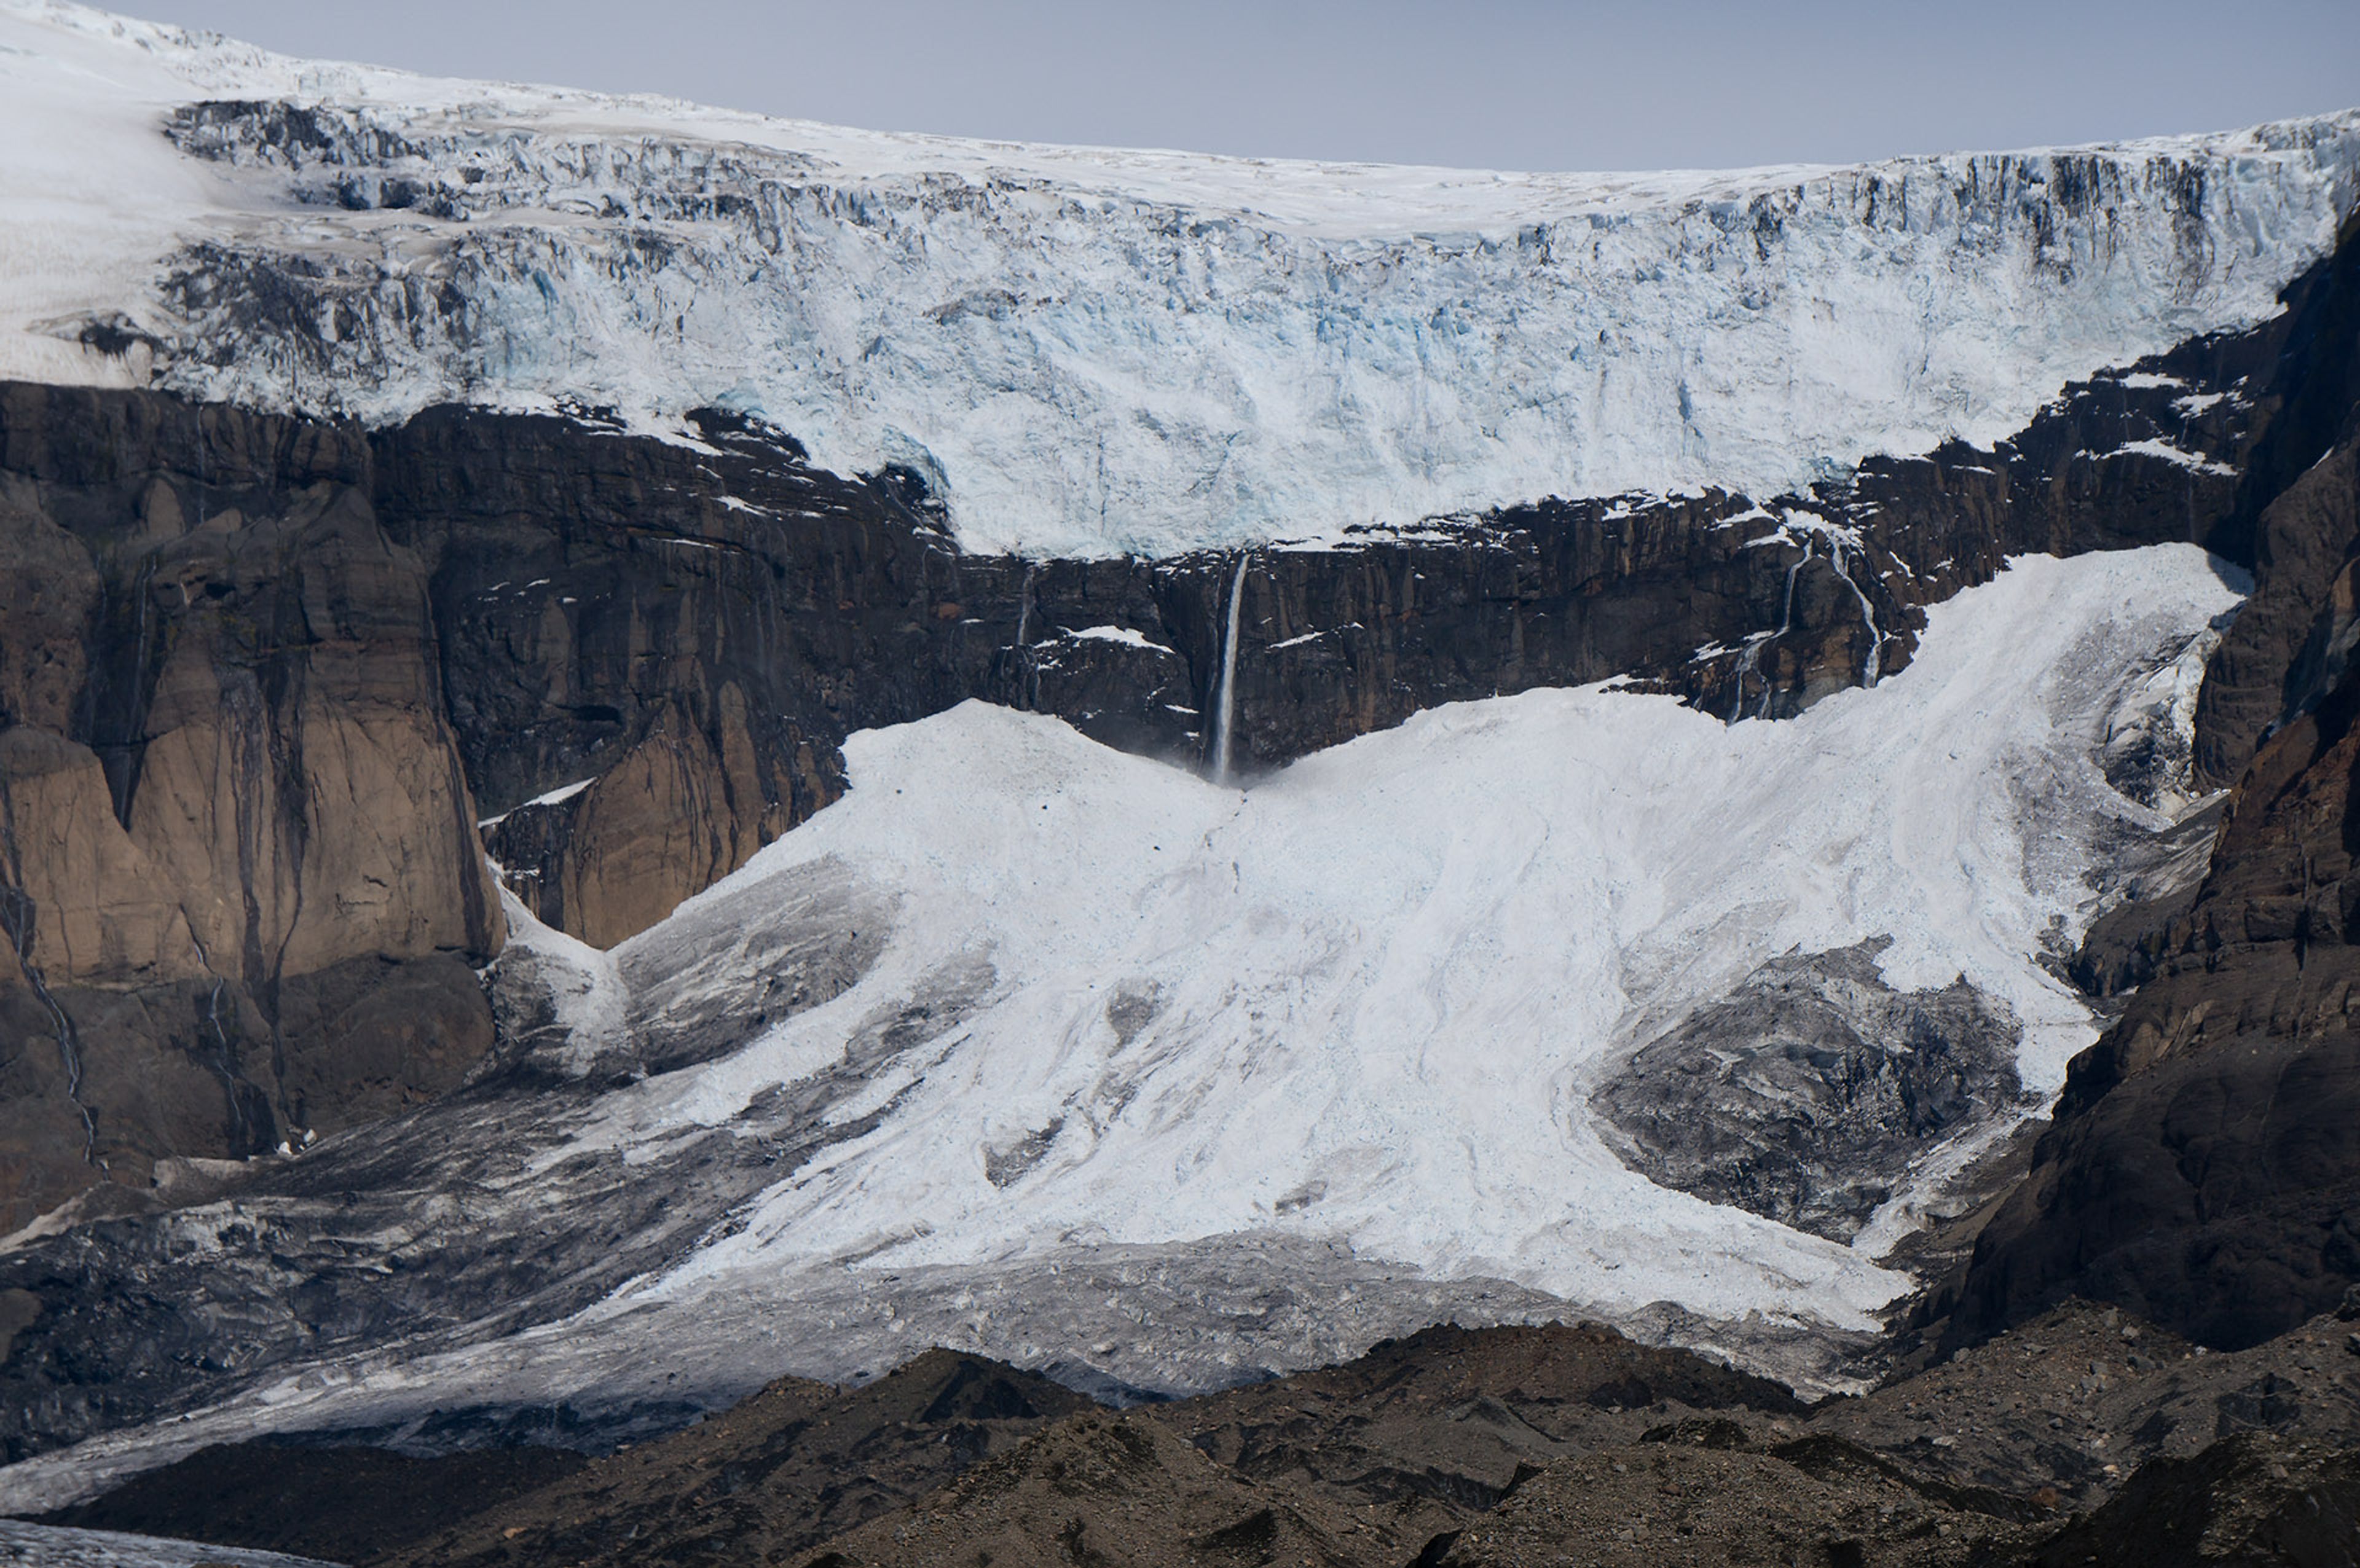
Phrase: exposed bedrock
(2203, 1168)
(1808, 1093)
(241, 887)
(2289, 642)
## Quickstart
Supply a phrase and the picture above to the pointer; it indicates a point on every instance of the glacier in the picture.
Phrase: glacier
(1159, 1081)
(1362, 999)
(1087, 352)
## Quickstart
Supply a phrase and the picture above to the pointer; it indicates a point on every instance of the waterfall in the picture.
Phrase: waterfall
(1225, 713)
(1028, 677)
(224, 1066)
(1870, 671)
(1749, 661)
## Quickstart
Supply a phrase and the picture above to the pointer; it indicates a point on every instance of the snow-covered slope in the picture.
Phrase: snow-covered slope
(1363, 999)
(1071, 1057)
(1093, 351)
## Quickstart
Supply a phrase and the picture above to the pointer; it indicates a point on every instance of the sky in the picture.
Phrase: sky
(1530, 84)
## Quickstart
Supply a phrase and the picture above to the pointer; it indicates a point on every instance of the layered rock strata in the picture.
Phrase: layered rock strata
(243, 896)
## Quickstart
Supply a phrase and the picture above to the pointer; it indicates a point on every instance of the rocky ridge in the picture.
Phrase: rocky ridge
(2082, 1436)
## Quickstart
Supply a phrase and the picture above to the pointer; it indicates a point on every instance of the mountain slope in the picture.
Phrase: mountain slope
(1349, 980)
(721, 522)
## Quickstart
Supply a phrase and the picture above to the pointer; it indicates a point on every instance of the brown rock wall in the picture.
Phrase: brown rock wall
(2305, 543)
(101, 915)
(225, 781)
(671, 818)
(368, 1037)
(48, 591)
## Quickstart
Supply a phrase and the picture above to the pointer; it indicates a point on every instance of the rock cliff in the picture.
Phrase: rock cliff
(242, 892)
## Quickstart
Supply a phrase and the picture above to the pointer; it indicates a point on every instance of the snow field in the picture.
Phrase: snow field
(1362, 999)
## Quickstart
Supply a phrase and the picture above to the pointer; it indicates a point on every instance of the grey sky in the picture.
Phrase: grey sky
(1498, 83)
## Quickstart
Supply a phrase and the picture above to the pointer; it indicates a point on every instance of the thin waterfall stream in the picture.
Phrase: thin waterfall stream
(1225, 712)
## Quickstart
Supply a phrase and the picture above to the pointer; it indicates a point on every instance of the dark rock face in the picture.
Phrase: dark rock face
(2279, 656)
(241, 887)
(1807, 1094)
(678, 629)
(2203, 1169)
